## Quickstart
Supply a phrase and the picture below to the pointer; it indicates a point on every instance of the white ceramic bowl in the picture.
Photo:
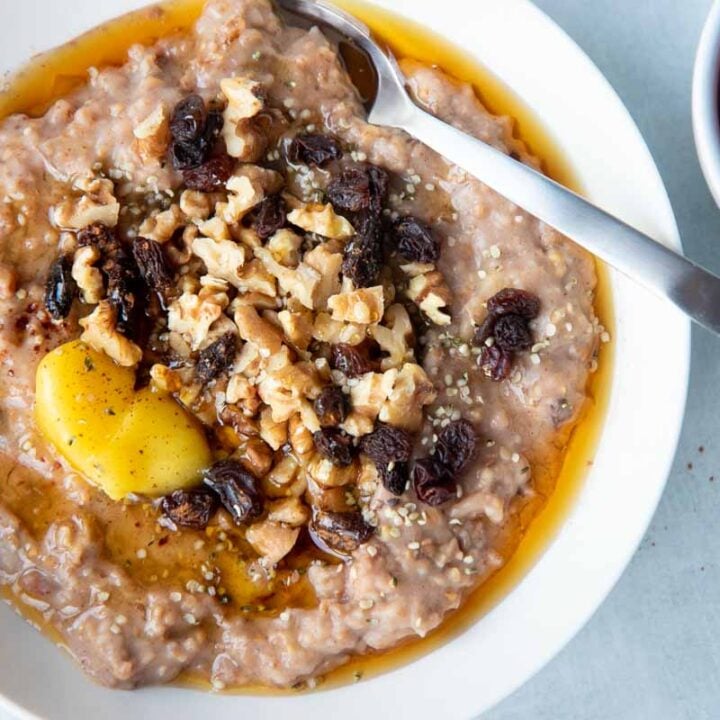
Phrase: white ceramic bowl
(580, 566)
(705, 109)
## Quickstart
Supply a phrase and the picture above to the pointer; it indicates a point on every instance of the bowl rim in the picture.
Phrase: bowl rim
(705, 96)
(662, 225)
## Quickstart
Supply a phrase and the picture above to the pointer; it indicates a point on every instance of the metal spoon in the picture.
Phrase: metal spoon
(693, 289)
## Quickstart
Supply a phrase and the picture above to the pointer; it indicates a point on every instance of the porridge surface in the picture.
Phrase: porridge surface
(139, 602)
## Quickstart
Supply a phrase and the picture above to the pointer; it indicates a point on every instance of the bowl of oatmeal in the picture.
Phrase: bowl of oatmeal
(285, 392)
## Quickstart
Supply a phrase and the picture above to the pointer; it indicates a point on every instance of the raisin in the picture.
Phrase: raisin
(188, 119)
(394, 477)
(151, 263)
(363, 260)
(194, 132)
(455, 445)
(190, 508)
(485, 329)
(415, 240)
(495, 362)
(216, 358)
(334, 444)
(352, 360)
(121, 273)
(387, 444)
(433, 484)
(97, 235)
(342, 532)
(359, 189)
(211, 175)
(511, 333)
(331, 406)
(514, 301)
(236, 489)
(60, 288)
(269, 216)
(313, 149)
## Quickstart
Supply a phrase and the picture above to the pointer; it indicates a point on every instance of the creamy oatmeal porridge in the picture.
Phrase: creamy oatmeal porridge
(277, 382)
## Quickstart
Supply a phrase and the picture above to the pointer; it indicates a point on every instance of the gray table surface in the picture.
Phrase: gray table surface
(650, 650)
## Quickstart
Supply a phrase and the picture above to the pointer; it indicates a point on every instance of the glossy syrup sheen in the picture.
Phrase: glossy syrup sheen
(558, 482)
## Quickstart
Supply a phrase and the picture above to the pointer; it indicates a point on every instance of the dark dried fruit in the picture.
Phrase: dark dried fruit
(484, 330)
(394, 477)
(433, 484)
(363, 259)
(194, 132)
(98, 235)
(236, 489)
(60, 288)
(216, 358)
(151, 263)
(313, 149)
(122, 275)
(495, 362)
(334, 444)
(269, 216)
(352, 360)
(455, 445)
(387, 444)
(188, 119)
(211, 175)
(190, 508)
(359, 189)
(511, 333)
(415, 240)
(342, 532)
(331, 406)
(515, 301)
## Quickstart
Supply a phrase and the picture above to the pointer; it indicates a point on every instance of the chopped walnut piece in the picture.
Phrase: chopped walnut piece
(162, 226)
(430, 293)
(244, 98)
(165, 379)
(325, 329)
(300, 437)
(416, 268)
(273, 433)
(411, 391)
(284, 245)
(284, 472)
(196, 205)
(321, 220)
(257, 330)
(272, 540)
(88, 278)
(287, 389)
(301, 283)
(328, 264)
(371, 392)
(97, 205)
(290, 511)
(253, 277)
(394, 337)
(328, 475)
(256, 300)
(365, 305)
(357, 424)
(101, 334)
(243, 195)
(241, 392)
(297, 326)
(191, 315)
(152, 134)
(215, 228)
(255, 456)
(223, 259)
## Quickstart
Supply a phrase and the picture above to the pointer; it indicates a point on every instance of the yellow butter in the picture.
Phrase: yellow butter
(123, 441)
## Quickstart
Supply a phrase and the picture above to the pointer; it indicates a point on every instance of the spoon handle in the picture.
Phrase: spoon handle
(693, 289)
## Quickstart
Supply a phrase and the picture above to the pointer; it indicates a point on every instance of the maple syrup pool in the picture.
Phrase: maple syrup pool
(557, 480)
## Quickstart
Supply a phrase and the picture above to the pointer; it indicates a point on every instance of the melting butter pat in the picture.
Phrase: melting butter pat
(123, 440)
